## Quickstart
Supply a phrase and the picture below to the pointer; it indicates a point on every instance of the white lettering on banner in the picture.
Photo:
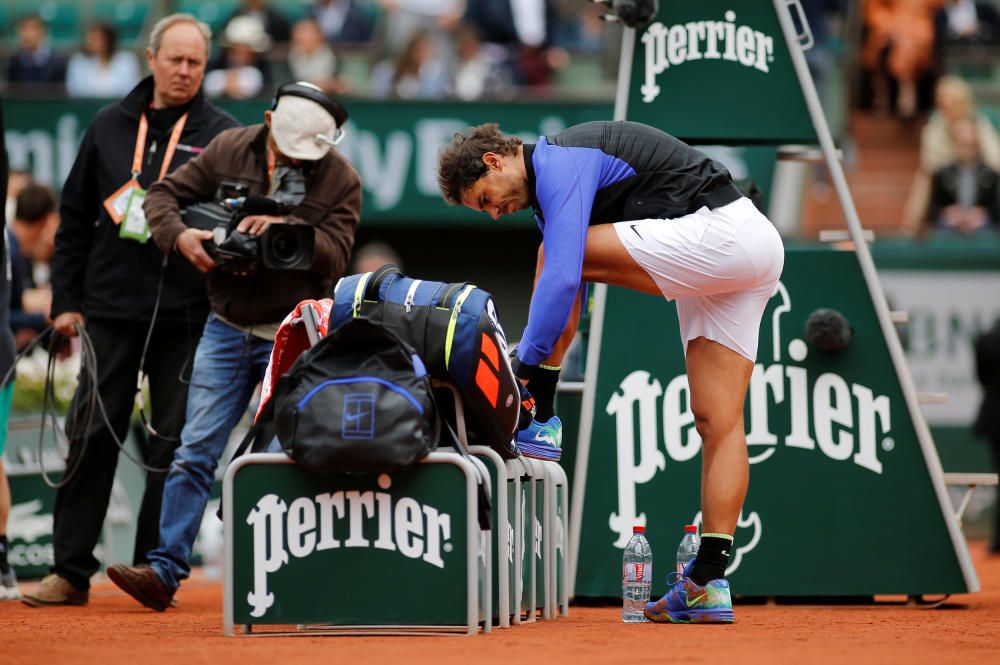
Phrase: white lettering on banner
(312, 524)
(432, 135)
(848, 420)
(637, 389)
(671, 46)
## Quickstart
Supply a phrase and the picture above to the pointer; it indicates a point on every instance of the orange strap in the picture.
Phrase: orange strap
(140, 146)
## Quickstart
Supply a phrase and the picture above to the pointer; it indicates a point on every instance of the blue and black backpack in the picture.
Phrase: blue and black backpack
(455, 329)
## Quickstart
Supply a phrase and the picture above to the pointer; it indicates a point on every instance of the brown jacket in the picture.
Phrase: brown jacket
(332, 205)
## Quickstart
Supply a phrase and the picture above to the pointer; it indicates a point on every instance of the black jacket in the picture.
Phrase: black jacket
(987, 422)
(98, 273)
(944, 191)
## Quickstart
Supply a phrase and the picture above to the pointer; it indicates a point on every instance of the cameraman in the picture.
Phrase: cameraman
(288, 158)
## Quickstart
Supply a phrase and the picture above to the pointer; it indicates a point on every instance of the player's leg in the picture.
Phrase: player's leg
(607, 261)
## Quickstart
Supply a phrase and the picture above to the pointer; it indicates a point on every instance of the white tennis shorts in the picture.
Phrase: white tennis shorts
(721, 266)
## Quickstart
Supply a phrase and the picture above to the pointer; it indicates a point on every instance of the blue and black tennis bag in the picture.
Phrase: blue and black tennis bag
(456, 331)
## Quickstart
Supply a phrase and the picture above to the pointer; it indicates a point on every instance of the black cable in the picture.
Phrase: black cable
(142, 360)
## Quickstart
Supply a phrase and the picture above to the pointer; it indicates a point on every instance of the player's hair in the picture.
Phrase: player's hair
(167, 22)
(34, 203)
(461, 163)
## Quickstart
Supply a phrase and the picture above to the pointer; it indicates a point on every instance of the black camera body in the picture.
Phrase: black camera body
(280, 247)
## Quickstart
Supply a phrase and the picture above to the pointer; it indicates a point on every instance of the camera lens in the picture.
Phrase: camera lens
(285, 248)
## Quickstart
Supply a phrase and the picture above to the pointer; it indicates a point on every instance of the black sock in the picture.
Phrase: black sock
(543, 387)
(4, 566)
(712, 559)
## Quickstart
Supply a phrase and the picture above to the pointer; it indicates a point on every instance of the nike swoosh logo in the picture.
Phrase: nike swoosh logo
(348, 417)
(546, 439)
(692, 601)
(632, 226)
(725, 552)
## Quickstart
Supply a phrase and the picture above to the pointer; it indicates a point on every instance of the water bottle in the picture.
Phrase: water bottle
(637, 576)
(688, 548)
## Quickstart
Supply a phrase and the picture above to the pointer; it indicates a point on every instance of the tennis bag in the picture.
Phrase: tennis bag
(456, 331)
(360, 400)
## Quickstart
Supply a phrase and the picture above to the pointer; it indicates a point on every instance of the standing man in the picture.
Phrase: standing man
(289, 161)
(8, 580)
(108, 281)
(626, 204)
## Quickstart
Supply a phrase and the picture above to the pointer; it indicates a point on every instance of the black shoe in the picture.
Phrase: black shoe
(143, 584)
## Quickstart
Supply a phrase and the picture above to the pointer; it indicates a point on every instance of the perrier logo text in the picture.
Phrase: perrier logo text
(341, 519)
(668, 46)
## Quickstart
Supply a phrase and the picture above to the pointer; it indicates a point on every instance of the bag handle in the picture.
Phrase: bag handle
(374, 284)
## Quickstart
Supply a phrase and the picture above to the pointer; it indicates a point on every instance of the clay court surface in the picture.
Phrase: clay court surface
(114, 630)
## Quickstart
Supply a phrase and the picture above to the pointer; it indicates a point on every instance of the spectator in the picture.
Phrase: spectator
(35, 62)
(968, 22)
(582, 28)
(900, 45)
(311, 59)
(247, 308)
(373, 255)
(477, 68)
(30, 239)
(402, 19)
(954, 102)
(108, 284)
(964, 195)
(526, 29)
(240, 71)
(416, 72)
(274, 23)
(8, 581)
(101, 70)
(987, 423)
(342, 21)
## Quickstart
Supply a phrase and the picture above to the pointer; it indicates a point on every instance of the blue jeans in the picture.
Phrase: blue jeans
(228, 365)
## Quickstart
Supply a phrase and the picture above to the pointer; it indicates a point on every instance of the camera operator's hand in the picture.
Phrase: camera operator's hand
(190, 246)
(65, 323)
(257, 224)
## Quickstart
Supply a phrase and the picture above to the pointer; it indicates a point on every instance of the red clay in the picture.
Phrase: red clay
(114, 630)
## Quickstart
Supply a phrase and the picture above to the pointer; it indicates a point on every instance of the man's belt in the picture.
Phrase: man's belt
(718, 197)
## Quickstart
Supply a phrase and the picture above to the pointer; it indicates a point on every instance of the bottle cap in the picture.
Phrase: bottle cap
(638, 529)
(690, 528)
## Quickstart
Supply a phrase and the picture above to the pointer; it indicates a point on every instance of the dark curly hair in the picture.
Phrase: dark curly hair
(461, 163)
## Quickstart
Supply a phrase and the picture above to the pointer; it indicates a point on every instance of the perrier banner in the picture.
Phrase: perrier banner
(718, 71)
(841, 501)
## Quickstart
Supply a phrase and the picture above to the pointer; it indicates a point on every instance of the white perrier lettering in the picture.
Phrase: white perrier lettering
(340, 519)
(668, 46)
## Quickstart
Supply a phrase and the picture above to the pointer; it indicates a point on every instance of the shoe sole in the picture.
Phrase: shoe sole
(126, 585)
(545, 453)
(31, 601)
(692, 616)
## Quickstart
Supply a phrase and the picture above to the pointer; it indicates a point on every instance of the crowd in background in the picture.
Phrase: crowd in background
(397, 49)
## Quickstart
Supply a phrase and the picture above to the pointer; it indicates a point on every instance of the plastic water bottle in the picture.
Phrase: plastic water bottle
(688, 548)
(637, 576)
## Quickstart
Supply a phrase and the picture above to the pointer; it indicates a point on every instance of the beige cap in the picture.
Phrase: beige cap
(302, 128)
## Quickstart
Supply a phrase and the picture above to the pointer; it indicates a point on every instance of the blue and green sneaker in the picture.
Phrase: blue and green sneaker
(687, 602)
(542, 440)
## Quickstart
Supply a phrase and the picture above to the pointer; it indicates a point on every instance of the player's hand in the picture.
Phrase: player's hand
(190, 245)
(257, 224)
(65, 324)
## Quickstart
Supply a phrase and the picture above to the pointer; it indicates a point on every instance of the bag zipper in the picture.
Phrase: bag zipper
(410, 295)
(454, 320)
(362, 379)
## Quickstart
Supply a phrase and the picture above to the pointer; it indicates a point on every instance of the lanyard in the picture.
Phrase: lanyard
(140, 146)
